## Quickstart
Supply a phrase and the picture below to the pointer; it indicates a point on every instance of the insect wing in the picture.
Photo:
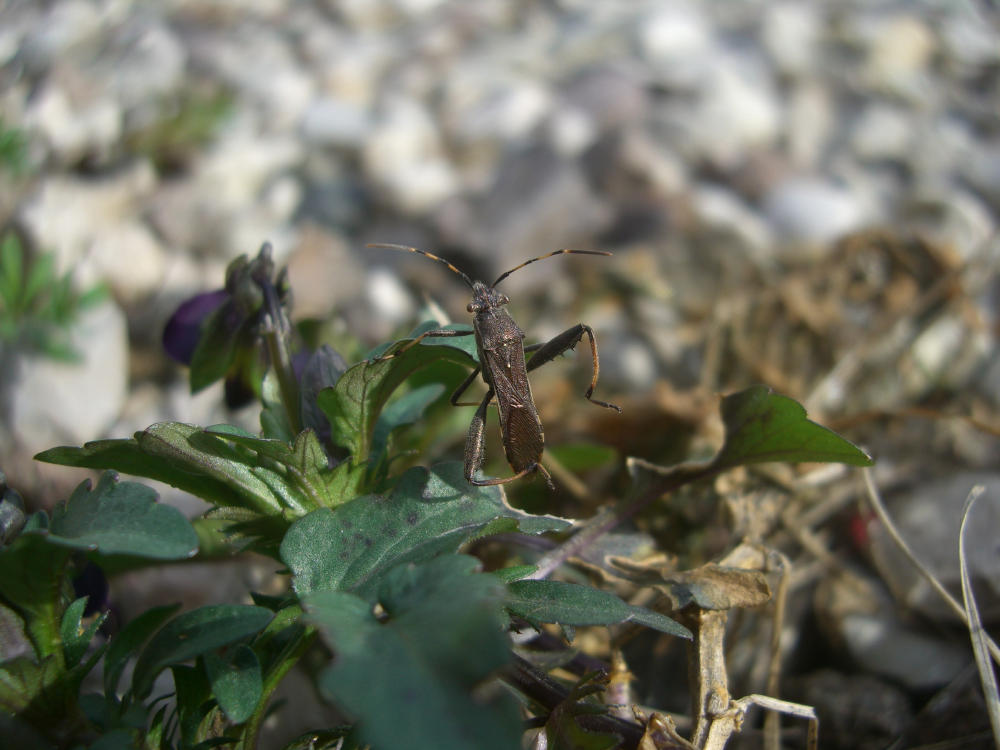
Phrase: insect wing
(523, 440)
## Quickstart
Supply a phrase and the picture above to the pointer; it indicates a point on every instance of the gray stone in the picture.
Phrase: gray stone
(860, 617)
(968, 41)
(482, 103)
(901, 50)
(66, 28)
(952, 217)
(75, 121)
(263, 67)
(129, 257)
(883, 132)
(323, 273)
(50, 402)
(148, 63)
(736, 111)
(610, 96)
(405, 160)
(811, 122)
(791, 35)
(335, 122)
(982, 169)
(676, 40)
(69, 215)
(721, 212)
(812, 211)
(539, 202)
(225, 198)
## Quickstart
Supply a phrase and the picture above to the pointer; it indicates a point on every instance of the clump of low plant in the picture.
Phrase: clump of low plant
(409, 634)
(37, 303)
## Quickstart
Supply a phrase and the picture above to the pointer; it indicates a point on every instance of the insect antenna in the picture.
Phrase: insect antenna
(426, 254)
(505, 274)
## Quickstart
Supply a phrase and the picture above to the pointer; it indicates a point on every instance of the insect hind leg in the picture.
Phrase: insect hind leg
(565, 341)
(475, 451)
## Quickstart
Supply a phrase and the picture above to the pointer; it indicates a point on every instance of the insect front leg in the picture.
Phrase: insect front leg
(564, 342)
(463, 388)
(439, 333)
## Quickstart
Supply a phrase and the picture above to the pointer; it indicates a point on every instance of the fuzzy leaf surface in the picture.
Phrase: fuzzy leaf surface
(129, 640)
(428, 513)
(405, 410)
(122, 518)
(195, 633)
(355, 402)
(223, 465)
(236, 682)
(573, 604)
(408, 679)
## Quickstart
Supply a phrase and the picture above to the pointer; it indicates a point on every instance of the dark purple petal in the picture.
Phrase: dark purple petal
(180, 337)
(91, 582)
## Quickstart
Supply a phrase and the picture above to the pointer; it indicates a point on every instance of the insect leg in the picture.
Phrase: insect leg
(475, 450)
(441, 333)
(563, 343)
(475, 443)
(463, 388)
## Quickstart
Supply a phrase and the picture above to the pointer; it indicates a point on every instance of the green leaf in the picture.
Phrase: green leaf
(405, 410)
(304, 462)
(130, 457)
(353, 405)
(223, 465)
(32, 578)
(195, 633)
(408, 680)
(129, 640)
(122, 518)
(76, 638)
(428, 513)
(23, 681)
(274, 423)
(466, 344)
(217, 346)
(40, 276)
(194, 702)
(153, 737)
(116, 739)
(236, 682)
(11, 273)
(514, 573)
(762, 426)
(573, 604)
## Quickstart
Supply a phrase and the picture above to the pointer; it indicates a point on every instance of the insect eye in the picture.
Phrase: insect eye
(472, 307)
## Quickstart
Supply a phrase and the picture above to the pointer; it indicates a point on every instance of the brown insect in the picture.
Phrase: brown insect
(501, 359)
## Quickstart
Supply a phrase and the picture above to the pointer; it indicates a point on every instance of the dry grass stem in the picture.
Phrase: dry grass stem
(883, 515)
(978, 635)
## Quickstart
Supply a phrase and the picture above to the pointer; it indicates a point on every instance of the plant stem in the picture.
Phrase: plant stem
(276, 333)
(542, 689)
(667, 480)
(288, 659)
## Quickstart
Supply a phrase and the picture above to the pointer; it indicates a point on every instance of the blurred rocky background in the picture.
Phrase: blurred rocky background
(803, 194)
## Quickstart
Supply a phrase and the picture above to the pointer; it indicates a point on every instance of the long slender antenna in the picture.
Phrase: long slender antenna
(505, 274)
(426, 254)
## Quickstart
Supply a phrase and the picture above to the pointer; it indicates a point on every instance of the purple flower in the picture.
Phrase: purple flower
(183, 330)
